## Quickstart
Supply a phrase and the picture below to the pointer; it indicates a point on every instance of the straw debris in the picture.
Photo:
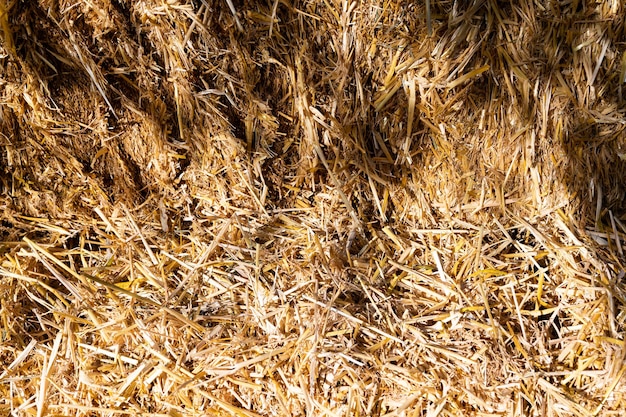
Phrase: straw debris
(312, 208)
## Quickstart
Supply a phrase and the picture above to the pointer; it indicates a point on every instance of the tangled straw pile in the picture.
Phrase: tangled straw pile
(227, 207)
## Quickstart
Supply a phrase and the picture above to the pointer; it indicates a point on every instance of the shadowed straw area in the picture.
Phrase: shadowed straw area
(261, 208)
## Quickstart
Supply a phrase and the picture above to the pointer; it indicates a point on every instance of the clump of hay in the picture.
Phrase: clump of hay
(312, 208)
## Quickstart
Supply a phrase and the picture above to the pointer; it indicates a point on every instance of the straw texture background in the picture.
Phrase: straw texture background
(312, 208)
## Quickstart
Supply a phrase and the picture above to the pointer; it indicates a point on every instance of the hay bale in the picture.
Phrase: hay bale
(309, 208)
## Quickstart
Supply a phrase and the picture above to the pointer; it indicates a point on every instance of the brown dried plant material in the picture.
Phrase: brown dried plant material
(312, 208)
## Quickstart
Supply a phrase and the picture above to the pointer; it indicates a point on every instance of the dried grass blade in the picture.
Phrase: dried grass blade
(429, 24)
(6, 26)
(231, 6)
(47, 367)
(129, 216)
(410, 119)
(463, 78)
(20, 358)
